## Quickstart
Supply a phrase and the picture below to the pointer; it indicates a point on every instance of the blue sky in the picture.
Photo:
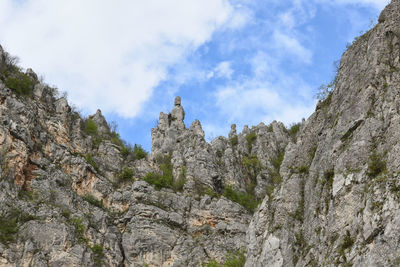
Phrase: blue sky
(231, 61)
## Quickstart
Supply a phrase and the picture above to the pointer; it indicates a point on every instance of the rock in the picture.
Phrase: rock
(326, 195)
(102, 125)
(31, 74)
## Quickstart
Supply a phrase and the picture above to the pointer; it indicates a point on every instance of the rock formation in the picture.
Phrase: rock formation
(323, 193)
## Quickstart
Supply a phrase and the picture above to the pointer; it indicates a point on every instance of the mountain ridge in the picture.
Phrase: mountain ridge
(325, 192)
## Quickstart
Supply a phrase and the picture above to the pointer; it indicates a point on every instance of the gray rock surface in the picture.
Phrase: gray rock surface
(336, 205)
(323, 193)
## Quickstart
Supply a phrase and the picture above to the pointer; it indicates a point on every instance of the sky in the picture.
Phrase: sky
(231, 61)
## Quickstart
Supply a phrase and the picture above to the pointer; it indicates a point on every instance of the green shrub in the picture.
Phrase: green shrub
(90, 127)
(293, 130)
(181, 180)
(328, 175)
(98, 254)
(8, 229)
(253, 167)
(161, 180)
(325, 91)
(219, 153)
(66, 213)
(376, 165)
(89, 159)
(116, 139)
(79, 229)
(126, 174)
(201, 190)
(158, 180)
(252, 162)
(346, 243)
(20, 83)
(270, 191)
(274, 173)
(96, 140)
(212, 263)
(246, 200)
(251, 137)
(139, 152)
(9, 224)
(299, 213)
(166, 179)
(236, 259)
(95, 202)
(303, 169)
(126, 150)
(234, 140)
(277, 161)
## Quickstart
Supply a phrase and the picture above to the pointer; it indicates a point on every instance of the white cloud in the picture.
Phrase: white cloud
(292, 46)
(110, 54)
(378, 4)
(222, 70)
(267, 94)
(253, 103)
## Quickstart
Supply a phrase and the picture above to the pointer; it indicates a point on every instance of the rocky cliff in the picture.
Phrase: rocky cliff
(324, 192)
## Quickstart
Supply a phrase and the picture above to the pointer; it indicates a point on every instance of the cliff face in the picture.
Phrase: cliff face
(338, 202)
(325, 192)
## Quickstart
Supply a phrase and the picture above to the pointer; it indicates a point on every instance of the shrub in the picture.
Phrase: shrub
(157, 180)
(90, 127)
(211, 263)
(277, 161)
(303, 169)
(8, 229)
(246, 200)
(139, 152)
(166, 179)
(234, 140)
(126, 150)
(325, 90)
(346, 243)
(201, 190)
(79, 229)
(219, 153)
(116, 139)
(20, 83)
(274, 173)
(236, 259)
(299, 213)
(95, 202)
(293, 130)
(270, 128)
(161, 180)
(251, 137)
(328, 175)
(270, 191)
(126, 174)
(181, 180)
(375, 165)
(66, 213)
(90, 160)
(251, 161)
(98, 254)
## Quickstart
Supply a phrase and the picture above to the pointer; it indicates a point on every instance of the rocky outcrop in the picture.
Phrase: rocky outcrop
(324, 192)
(338, 201)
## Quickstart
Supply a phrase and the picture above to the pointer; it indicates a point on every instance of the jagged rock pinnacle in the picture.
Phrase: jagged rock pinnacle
(177, 101)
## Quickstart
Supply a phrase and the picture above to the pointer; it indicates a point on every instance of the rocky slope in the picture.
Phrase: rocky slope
(325, 192)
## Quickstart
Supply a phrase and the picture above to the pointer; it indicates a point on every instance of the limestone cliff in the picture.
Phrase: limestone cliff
(325, 192)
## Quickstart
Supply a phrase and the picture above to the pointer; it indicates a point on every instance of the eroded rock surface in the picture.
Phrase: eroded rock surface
(325, 192)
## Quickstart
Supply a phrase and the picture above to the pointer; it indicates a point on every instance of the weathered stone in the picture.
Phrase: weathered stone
(329, 194)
